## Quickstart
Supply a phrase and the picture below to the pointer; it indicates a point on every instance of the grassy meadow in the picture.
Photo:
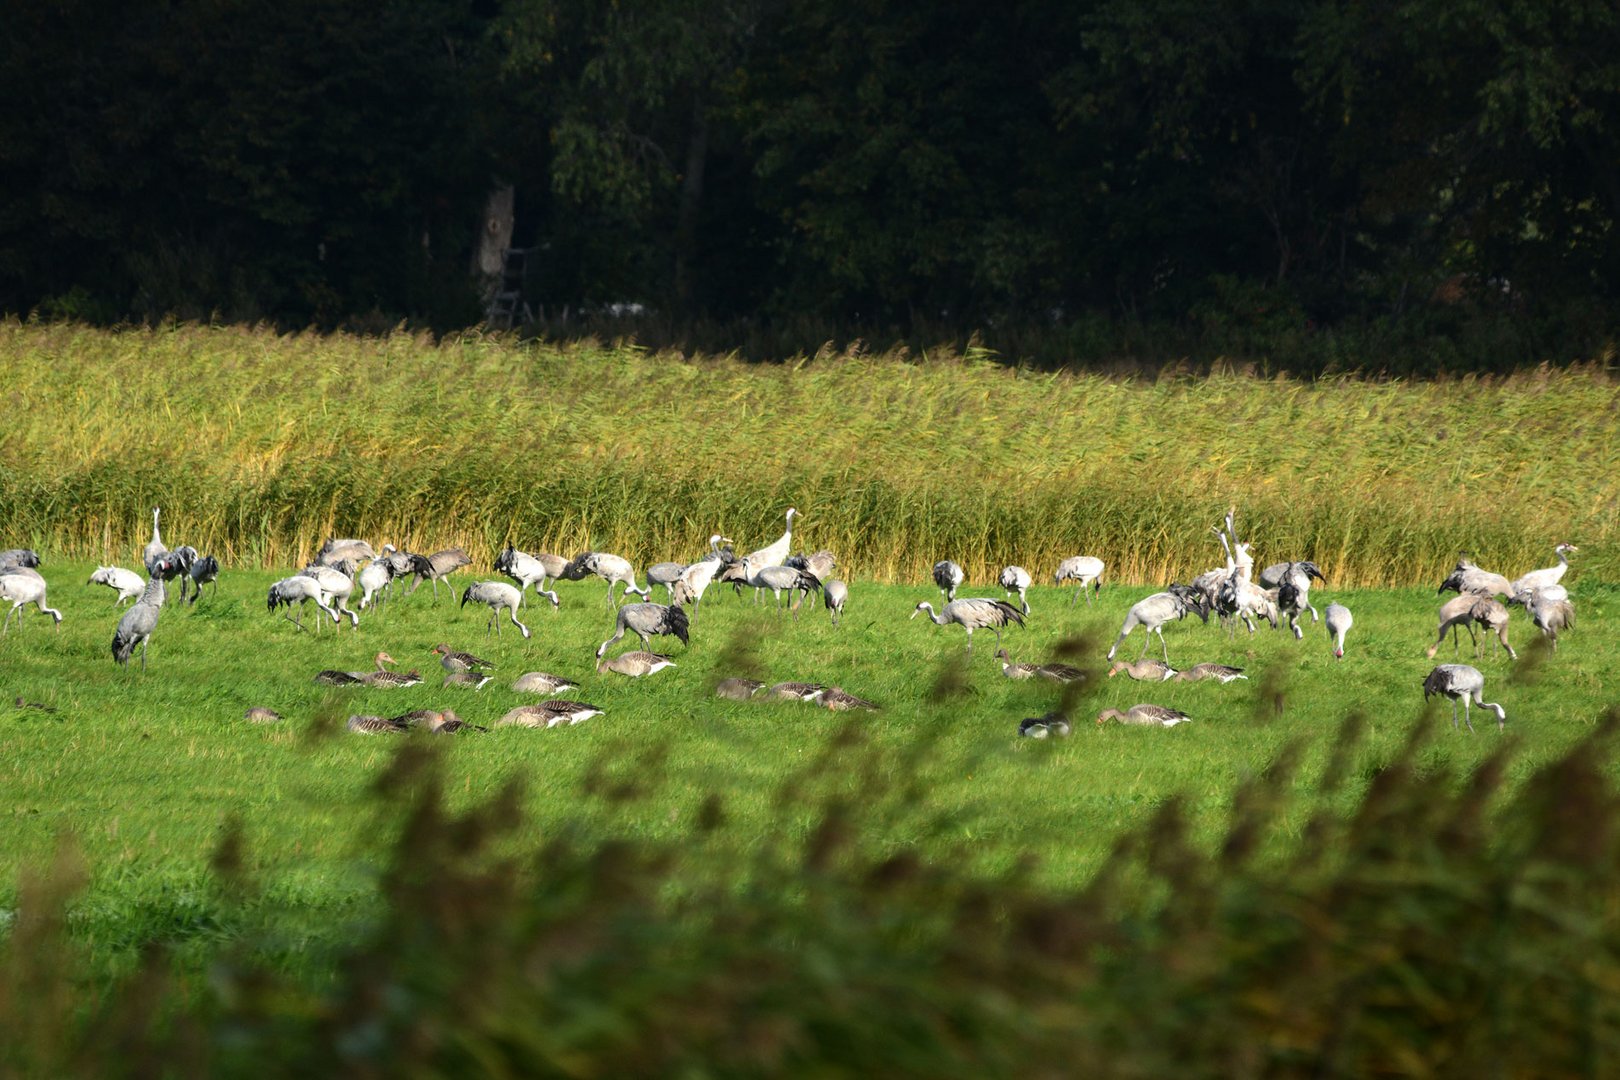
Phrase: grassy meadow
(678, 832)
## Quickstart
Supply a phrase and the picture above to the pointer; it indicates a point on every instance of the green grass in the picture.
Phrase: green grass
(144, 770)
(259, 445)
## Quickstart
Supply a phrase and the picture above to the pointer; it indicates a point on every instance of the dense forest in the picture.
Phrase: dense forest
(1324, 183)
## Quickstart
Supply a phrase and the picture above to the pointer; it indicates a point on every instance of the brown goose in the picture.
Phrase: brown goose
(261, 715)
(389, 680)
(540, 682)
(451, 660)
(416, 717)
(374, 725)
(1221, 672)
(1012, 670)
(794, 691)
(1145, 716)
(1144, 670)
(738, 689)
(472, 680)
(635, 664)
(1063, 673)
(549, 714)
(448, 723)
(352, 678)
(839, 700)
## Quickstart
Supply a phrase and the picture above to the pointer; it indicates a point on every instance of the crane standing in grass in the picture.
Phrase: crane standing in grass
(500, 597)
(1083, 569)
(137, 624)
(646, 620)
(949, 577)
(25, 588)
(1015, 579)
(1459, 682)
(1153, 612)
(1339, 623)
(974, 613)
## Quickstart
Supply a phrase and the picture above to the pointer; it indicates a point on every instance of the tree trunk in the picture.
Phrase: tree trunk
(686, 222)
(495, 234)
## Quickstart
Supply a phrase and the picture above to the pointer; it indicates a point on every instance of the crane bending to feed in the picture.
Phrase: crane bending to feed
(974, 613)
(1153, 612)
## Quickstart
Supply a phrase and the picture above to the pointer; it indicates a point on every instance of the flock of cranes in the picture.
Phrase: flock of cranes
(1233, 593)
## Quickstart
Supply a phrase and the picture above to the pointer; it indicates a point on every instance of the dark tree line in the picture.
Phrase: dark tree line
(1248, 165)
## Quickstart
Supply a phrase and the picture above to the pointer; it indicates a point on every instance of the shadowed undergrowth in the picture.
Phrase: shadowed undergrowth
(1437, 923)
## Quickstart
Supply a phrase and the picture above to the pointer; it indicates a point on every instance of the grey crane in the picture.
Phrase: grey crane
(1154, 611)
(1468, 610)
(336, 551)
(126, 583)
(646, 620)
(821, 564)
(1221, 673)
(203, 571)
(835, 594)
(1552, 575)
(738, 689)
(1083, 569)
(1339, 622)
(25, 588)
(611, 568)
(1240, 598)
(635, 664)
(1549, 608)
(337, 585)
(155, 549)
(436, 567)
(452, 660)
(1145, 715)
(949, 577)
(500, 596)
(15, 557)
(136, 627)
(1015, 579)
(298, 590)
(1294, 591)
(781, 579)
(973, 613)
(665, 574)
(1144, 670)
(1459, 682)
(1468, 578)
(542, 682)
(529, 570)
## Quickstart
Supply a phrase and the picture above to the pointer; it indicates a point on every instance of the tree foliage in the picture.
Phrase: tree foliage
(1251, 163)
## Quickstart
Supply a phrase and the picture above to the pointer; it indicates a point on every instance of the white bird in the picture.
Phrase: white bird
(974, 613)
(25, 588)
(337, 585)
(1084, 569)
(373, 579)
(126, 583)
(1015, 579)
(500, 596)
(529, 570)
(1540, 579)
(774, 554)
(779, 579)
(646, 620)
(949, 577)
(298, 589)
(834, 594)
(1459, 682)
(1154, 611)
(154, 550)
(18, 557)
(696, 578)
(1339, 622)
(136, 627)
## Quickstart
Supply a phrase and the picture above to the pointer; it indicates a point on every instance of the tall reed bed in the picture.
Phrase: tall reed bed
(258, 445)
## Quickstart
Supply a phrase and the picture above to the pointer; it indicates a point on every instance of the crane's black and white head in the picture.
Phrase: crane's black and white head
(922, 607)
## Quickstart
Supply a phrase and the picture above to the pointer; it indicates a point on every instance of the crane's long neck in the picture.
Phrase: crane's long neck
(156, 537)
(940, 619)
